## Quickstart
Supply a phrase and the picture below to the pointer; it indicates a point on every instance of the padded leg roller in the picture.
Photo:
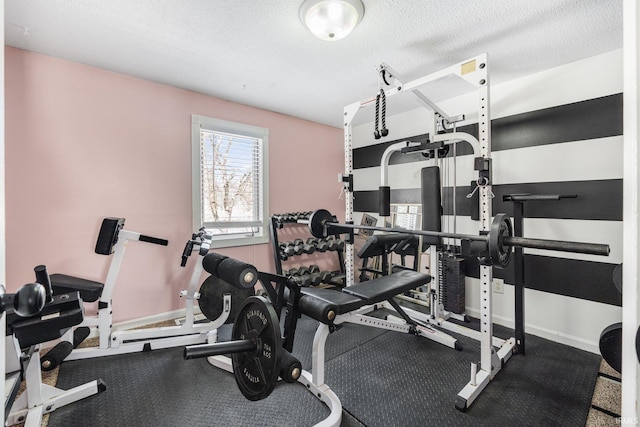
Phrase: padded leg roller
(211, 262)
(80, 334)
(290, 367)
(60, 351)
(56, 355)
(238, 273)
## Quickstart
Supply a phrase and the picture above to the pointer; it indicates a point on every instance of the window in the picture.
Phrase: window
(406, 216)
(230, 186)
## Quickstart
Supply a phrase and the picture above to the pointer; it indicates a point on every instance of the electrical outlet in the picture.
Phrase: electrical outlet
(498, 286)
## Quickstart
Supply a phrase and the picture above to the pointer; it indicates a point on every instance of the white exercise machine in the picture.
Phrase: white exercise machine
(112, 241)
(474, 74)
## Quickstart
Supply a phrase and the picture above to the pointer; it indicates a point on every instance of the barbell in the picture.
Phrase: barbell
(498, 242)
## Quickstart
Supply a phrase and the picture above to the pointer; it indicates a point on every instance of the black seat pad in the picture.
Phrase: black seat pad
(386, 287)
(381, 244)
(90, 291)
(342, 302)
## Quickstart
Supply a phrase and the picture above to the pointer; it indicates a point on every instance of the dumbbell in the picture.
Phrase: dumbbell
(325, 276)
(303, 271)
(291, 272)
(304, 280)
(288, 249)
(306, 247)
(312, 241)
(322, 245)
(333, 243)
(304, 215)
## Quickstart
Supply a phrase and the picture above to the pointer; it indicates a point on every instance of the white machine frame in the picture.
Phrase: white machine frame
(38, 398)
(132, 341)
(475, 71)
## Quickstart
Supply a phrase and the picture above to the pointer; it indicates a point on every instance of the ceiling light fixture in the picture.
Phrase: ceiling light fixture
(331, 20)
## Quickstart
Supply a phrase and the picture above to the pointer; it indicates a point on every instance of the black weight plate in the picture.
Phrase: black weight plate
(256, 372)
(499, 252)
(317, 220)
(212, 292)
(611, 346)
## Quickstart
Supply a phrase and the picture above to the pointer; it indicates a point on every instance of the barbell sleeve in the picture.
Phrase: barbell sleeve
(218, 348)
(558, 245)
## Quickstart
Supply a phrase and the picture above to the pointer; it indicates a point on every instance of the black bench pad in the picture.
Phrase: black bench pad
(341, 302)
(90, 291)
(318, 303)
(386, 287)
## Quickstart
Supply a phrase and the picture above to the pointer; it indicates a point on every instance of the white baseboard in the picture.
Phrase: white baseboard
(541, 332)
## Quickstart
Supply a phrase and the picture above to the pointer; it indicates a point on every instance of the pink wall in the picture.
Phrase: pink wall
(84, 143)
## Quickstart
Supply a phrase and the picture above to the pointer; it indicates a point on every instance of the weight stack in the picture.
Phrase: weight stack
(451, 275)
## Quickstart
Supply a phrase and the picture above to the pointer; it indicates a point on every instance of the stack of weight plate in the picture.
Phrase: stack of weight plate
(451, 275)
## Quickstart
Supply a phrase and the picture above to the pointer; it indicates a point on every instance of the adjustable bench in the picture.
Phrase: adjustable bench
(381, 245)
(351, 304)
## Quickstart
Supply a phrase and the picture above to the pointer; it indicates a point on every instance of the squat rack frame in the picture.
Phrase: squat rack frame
(474, 71)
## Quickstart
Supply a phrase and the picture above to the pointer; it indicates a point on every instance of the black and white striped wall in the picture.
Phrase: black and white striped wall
(558, 131)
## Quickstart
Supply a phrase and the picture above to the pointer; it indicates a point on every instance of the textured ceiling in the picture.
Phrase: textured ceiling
(257, 52)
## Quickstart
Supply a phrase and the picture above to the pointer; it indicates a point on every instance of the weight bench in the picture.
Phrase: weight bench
(350, 304)
(381, 245)
(24, 336)
(331, 307)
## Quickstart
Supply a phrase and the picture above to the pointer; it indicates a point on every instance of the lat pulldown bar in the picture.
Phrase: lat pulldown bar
(497, 243)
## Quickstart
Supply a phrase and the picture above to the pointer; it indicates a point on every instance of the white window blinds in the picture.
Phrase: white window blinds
(231, 181)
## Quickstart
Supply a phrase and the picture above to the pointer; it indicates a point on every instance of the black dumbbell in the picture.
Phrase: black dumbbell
(304, 247)
(287, 249)
(304, 216)
(290, 272)
(325, 276)
(304, 280)
(315, 279)
(333, 243)
(312, 241)
(322, 245)
(303, 271)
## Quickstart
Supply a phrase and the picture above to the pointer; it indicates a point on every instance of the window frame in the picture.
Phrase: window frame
(224, 126)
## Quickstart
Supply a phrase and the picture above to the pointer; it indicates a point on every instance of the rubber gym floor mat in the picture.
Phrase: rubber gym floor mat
(159, 388)
(401, 380)
(349, 336)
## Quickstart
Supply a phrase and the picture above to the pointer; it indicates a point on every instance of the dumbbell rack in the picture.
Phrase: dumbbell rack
(278, 222)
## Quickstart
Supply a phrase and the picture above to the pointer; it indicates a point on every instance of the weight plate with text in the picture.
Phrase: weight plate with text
(256, 372)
